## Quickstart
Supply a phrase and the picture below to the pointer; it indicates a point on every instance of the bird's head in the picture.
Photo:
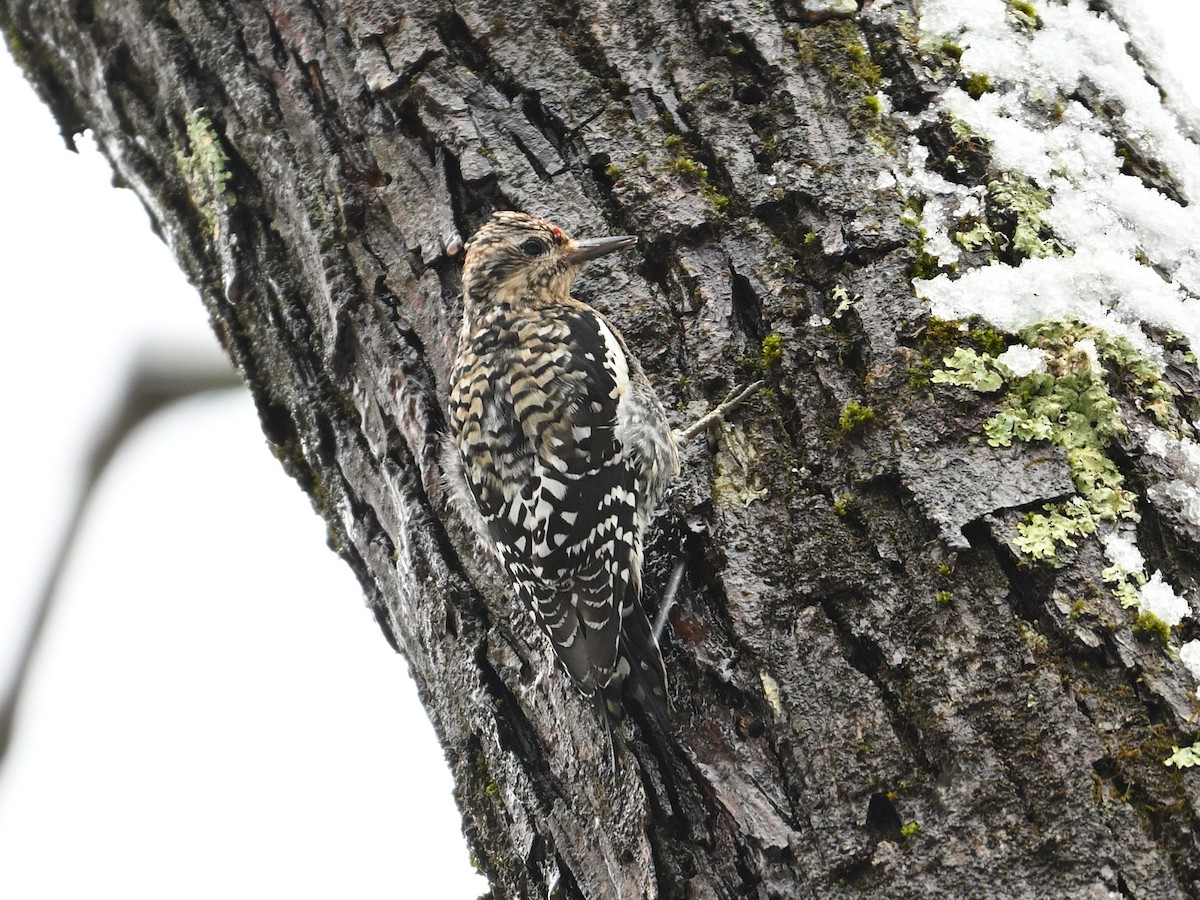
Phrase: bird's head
(520, 259)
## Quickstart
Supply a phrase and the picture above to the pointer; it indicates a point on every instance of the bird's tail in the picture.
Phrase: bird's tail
(639, 684)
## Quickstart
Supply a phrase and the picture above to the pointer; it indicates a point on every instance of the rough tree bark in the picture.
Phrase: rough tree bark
(877, 693)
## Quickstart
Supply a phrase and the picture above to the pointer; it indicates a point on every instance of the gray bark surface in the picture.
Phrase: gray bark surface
(841, 733)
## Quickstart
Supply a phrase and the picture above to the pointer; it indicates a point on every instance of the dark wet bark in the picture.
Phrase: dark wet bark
(842, 733)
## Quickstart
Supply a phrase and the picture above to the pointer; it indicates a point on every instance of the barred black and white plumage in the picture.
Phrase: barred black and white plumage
(559, 451)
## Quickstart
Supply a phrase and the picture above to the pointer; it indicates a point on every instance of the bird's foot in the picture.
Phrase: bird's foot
(735, 399)
(668, 598)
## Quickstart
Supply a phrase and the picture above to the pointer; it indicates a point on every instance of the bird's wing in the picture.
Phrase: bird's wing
(562, 516)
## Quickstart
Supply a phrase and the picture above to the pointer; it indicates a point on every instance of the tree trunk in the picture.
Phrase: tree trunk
(897, 666)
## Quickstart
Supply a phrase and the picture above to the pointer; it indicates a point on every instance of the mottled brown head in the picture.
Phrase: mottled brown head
(520, 259)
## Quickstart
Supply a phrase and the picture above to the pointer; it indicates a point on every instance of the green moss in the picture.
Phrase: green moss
(941, 333)
(861, 63)
(943, 598)
(978, 85)
(1023, 14)
(836, 48)
(697, 173)
(855, 417)
(873, 104)
(715, 198)
(942, 54)
(806, 50)
(910, 829)
(950, 48)
(925, 264)
(920, 374)
(612, 170)
(1150, 626)
(841, 506)
(989, 339)
(772, 350)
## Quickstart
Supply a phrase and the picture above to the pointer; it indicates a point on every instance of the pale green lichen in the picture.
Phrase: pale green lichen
(968, 369)
(979, 235)
(1018, 422)
(1184, 757)
(962, 130)
(1125, 584)
(205, 167)
(1068, 405)
(1040, 535)
(736, 477)
(1028, 203)
(771, 692)
(844, 300)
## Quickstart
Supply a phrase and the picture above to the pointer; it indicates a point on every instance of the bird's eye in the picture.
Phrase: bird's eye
(533, 247)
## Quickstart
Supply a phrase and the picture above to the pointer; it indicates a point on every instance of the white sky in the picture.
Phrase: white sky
(214, 712)
(212, 697)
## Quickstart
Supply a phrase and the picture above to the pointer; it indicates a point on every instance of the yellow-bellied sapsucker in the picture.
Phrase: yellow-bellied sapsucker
(558, 452)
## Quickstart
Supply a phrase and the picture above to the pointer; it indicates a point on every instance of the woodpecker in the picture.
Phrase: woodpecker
(558, 451)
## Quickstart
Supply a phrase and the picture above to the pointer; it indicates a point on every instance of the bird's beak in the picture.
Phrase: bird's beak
(590, 248)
